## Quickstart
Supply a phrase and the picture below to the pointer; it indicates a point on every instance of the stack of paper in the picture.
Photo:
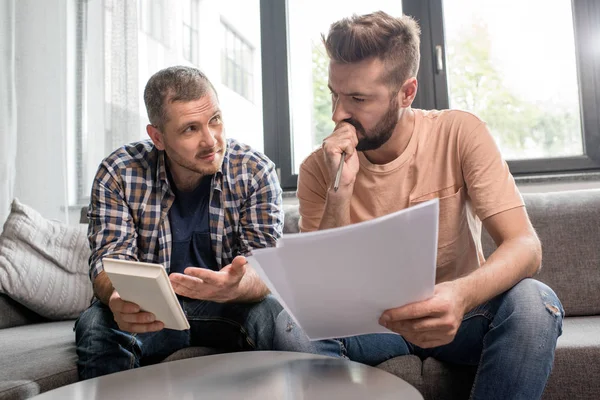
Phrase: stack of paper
(337, 282)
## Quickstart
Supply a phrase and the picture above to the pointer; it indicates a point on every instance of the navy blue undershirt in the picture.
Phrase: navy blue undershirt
(190, 227)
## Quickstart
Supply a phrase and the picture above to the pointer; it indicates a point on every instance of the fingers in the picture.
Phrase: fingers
(238, 266)
(343, 139)
(129, 318)
(187, 292)
(203, 274)
(138, 318)
(429, 341)
(426, 332)
(421, 309)
(118, 305)
(141, 328)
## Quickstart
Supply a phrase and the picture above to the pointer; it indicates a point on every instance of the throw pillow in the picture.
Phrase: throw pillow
(44, 264)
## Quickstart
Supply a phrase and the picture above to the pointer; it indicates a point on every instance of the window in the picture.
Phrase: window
(115, 57)
(535, 80)
(523, 80)
(237, 63)
(308, 67)
(152, 19)
(190, 30)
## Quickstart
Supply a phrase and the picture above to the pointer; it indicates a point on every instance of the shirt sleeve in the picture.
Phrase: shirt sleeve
(312, 194)
(490, 185)
(111, 230)
(261, 215)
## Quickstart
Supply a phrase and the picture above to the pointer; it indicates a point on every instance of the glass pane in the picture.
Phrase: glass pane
(310, 101)
(243, 117)
(514, 66)
(187, 43)
(186, 12)
(194, 46)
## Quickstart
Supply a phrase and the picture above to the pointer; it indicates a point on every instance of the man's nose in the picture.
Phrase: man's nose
(339, 111)
(208, 138)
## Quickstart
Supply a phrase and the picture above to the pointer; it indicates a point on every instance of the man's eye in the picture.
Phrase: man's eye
(357, 99)
(190, 128)
(216, 119)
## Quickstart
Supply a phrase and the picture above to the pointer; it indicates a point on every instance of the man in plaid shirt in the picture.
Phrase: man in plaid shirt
(195, 202)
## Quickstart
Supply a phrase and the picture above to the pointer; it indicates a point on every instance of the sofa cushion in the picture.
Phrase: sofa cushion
(36, 358)
(568, 224)
(575, 373)
(15, 314)
(40, 357)
(44, 264)
(577, 361)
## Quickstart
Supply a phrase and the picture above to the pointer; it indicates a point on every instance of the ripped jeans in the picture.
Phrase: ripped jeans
(511, 338)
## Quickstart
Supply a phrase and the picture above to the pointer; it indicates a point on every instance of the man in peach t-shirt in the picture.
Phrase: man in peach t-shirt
(488, 313)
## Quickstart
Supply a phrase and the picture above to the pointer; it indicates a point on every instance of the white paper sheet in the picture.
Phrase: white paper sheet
(337, 282)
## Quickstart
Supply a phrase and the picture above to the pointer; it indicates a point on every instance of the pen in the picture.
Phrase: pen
(336, 184)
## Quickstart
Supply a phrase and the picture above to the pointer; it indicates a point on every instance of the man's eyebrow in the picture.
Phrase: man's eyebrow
(348, 94)
(216, 111)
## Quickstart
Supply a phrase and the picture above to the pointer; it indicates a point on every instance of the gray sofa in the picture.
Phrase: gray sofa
(39, 355)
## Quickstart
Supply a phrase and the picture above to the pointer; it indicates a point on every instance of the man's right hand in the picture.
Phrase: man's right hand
(129, 317)
(343, 139)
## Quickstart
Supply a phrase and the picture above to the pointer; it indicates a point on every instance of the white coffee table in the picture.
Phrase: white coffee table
(245, 375)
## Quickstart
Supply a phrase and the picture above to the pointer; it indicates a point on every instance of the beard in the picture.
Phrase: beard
(198, 165)
(381, 133)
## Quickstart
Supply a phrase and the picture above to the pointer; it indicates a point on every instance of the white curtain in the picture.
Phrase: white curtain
(121, 69)
(8, 108)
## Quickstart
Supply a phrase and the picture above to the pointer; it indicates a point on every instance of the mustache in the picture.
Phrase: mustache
(210, 151)
(357, 125)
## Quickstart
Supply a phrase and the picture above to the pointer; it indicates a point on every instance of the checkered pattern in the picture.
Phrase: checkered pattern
(131, 198)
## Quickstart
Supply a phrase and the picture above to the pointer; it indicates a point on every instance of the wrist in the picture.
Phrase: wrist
(103, 288)
(340, 196)
(463, 294)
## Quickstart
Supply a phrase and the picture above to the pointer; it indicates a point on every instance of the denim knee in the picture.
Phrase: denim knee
(535, 306)
(94, 321)
(271, 307)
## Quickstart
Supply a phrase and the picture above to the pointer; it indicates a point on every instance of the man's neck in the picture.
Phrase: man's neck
(184, 179)
(397, 143)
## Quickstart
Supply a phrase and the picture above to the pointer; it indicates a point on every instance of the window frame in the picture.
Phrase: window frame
(191, 30)
(152, 21)
(433, 85)
(244, 86)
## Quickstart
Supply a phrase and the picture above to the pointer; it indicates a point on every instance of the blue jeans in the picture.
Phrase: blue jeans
(102, 348)
(511, 339)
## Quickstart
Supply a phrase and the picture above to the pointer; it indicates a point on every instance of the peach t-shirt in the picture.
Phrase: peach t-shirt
(451, 155)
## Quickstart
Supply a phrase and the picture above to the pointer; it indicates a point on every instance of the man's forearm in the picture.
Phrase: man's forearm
(513, 261)
(337, 208)
(103, 288)
(251, 287)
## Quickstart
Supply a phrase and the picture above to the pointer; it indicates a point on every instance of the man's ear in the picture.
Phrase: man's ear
(156, 136)
(407, 93)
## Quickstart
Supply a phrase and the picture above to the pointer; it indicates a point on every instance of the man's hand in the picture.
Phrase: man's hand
(203, 284)
(343, 139)
(430, 323)
(129, 317)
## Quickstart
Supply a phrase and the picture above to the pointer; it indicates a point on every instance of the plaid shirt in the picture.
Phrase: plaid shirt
(131, 198)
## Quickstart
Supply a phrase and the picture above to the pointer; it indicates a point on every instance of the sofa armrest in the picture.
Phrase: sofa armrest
(15, 314)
